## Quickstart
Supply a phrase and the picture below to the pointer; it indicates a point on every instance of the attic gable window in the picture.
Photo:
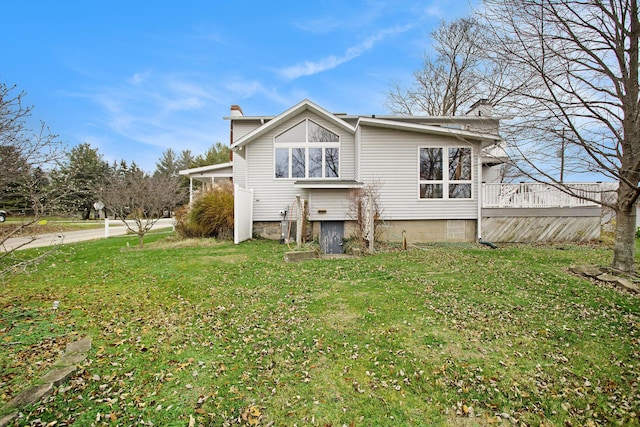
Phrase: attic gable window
(307, 150)
(445, 173)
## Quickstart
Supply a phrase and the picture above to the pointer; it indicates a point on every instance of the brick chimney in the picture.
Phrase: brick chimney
(236, 111)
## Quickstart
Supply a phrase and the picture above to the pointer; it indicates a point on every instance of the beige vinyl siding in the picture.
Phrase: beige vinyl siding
(240, 168)
(243, 127)
(272, 195)
(240, 129)
(329, 204)
(358, 157)
(389, 160)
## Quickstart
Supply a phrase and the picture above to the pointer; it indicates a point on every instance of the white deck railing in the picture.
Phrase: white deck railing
(536, 195)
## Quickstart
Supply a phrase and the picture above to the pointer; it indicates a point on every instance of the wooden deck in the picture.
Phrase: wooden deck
(540, 229)
(533, 212)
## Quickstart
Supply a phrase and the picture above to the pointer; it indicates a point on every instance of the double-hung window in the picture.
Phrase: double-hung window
(307, 150)
(445, 173)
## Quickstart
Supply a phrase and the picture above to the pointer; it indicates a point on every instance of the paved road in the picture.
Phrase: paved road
(50, 239)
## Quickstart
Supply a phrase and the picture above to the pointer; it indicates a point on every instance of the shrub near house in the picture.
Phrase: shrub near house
(211, 214)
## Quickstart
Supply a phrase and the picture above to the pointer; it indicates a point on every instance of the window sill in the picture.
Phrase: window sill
(327, 183)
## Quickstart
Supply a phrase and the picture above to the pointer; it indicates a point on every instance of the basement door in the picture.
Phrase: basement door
(331, 236)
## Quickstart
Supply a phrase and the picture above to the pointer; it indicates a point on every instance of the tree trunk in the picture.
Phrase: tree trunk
(624, 246)
(141, 240)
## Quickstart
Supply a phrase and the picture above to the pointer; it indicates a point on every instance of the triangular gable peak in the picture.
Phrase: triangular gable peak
(301, 107)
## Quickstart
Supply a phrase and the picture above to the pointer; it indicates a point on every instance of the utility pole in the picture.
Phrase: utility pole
(562, 144)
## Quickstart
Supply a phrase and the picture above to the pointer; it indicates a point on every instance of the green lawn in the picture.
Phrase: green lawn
(215, 334)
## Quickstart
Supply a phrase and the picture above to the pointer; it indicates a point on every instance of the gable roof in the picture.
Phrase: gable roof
(218, 170)
(484, 139)
(344, 122)
(302, 106)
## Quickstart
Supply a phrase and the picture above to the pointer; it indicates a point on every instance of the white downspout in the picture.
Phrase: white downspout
(190, 190)
(480, 195)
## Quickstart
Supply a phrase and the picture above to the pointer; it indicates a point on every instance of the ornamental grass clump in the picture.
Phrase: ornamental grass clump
(211, 215)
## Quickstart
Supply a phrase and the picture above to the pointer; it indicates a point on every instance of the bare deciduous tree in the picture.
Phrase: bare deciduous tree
(21, 148)
(572, 88)
(139, 200)
(452, 78)
(25, 160)
(366, 213)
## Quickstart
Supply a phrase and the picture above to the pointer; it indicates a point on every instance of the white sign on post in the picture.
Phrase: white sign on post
(98, 206)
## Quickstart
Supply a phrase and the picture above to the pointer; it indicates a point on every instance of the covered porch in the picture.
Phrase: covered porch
(208, 176)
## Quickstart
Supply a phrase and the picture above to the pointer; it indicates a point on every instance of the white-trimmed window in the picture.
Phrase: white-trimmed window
(307, 150)
(445, 173)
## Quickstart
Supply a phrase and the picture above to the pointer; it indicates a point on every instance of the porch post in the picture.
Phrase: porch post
(190, 189)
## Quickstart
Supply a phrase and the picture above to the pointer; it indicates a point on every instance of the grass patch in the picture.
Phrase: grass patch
(232, 335)
(54, 225)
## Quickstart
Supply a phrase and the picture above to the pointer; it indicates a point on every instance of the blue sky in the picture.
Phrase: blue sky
(133, 78)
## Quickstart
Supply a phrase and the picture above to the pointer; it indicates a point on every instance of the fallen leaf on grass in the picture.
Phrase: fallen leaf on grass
(251, 415)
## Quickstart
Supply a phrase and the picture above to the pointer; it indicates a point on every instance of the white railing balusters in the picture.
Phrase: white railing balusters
(538, 195)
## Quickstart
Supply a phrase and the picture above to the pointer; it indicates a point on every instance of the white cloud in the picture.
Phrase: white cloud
(184, 87)
(346, 16)
(308, 68)
(154, 110)
(243, 89)
(448, 9)
(239, 90)
(141, 116)
(183, 104)
(139, 78)
(434, 11)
